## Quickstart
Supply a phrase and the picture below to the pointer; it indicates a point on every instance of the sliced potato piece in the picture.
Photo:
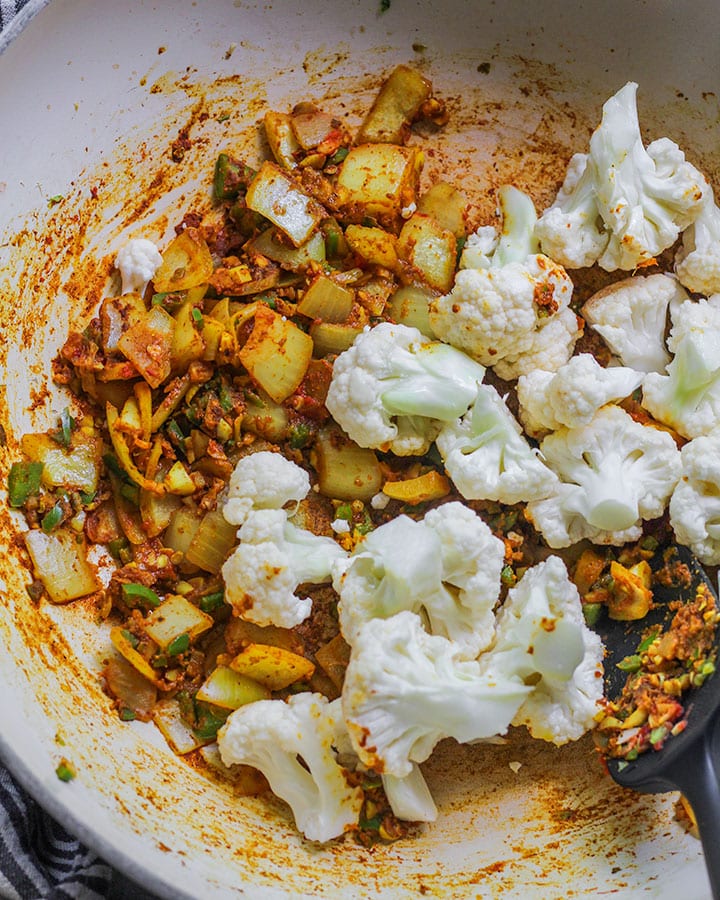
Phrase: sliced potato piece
(176, 616)
(379, 180)
(447, 205)
(430, 486)
(117, 314)
(229, 689)
(273, 667)
(275, 195)
(148, 345)
(296, 259)
(330, 338)
(345, 470)
(326, 300)
(276, 354)
(377, 247)
(186, 263)
(212, 542)
(430, 249)
(396, 106)
(266, 418)
(410, 305)
(281, 138)
(77, 468)
(188, 341)
(60, 562)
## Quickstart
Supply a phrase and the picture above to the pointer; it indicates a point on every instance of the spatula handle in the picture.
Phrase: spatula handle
(700, 783)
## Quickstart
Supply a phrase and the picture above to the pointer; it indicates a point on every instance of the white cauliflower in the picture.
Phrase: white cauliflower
(487, 456)
(542, 638)
(572, 395)
(293, 744)
(631, 317)
(405, 690)
(688, 397)
(137, 261)
(697, 262)
(410, 797)
(552, 347)
(614, 474)
(273, 559)
(498, 310)
(621, 204)
(446, 566)
(393, 388)
(571, 230)
(263, 480)
(695, 503)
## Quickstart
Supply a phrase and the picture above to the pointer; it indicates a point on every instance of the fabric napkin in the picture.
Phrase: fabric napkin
(39, 859)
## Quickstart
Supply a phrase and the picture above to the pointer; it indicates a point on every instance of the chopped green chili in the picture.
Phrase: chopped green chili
(141, 593)
(52, 518)
(211, 601)
(23, 482)
(630, 664)
(65, 770)
(178, 645)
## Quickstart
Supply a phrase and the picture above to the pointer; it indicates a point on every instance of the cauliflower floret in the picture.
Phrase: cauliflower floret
(688, 397)
(448, 565)
(695, 503)
(631, 317)
(405, 690)
(292, 744)
(137, 261)
(263, 480)
(393, 388)
(551, 348)
(697, 262)
(640, 198)
(614, 474)
(497, 312)
(487, 456)
(410, 797)
(541, 631)
(572, 395)
(273, 558)
(571, 230)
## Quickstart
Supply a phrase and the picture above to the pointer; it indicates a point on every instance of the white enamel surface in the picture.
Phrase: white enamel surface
(84, 92)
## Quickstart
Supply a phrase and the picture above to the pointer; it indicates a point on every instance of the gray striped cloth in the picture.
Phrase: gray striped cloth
(39, 859)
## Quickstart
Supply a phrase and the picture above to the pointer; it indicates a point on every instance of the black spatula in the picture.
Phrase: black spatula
(690, 761)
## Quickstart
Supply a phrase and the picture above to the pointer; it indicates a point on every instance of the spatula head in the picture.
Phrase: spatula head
(654, 770)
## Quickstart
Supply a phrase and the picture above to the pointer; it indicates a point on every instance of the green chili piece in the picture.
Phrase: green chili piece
(591, 612)
(507, 576)
(344, 511)
(658, 734)
(211, 601)
(299, 436)
(630, 664)
(178, 645)
(647, 642)
(197, 317)
(339, 155)
(23, 482)
(208, 721)
(130, 638)
(52, 519)
(127, 714)
(65, 770)
(140, 592)
(230, 177)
